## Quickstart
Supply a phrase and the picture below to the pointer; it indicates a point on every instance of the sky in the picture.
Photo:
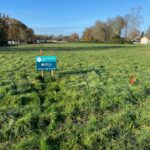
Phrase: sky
(68, 16)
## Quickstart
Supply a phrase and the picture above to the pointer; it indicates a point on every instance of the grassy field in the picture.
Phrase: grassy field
(88, 104)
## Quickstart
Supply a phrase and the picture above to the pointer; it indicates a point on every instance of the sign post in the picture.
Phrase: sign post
(42, 72)
(46, 63)
(52, 73)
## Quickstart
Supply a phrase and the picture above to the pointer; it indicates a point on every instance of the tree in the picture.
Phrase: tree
(87, 35)
(118, 26)
(105, 31)
(134, 33)
(74, 37)
(133, 22)
(142, 34)
(60, 37)
(14, 30)
(29, 35)
(3, 36)
(110, 32)
(19, 32)
(41, 37)
(3, 30)
(99, 31)
(147, 34)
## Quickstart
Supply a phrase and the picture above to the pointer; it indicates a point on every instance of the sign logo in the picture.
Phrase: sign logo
(39, 59)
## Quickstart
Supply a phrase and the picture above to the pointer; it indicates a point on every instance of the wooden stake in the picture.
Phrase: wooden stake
(41, 52)
(52, 73)
(42, 73)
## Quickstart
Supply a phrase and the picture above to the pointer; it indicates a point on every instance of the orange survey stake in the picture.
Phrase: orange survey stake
(41, 52)
(132, 80)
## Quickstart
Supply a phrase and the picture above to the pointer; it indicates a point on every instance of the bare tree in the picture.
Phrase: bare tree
(74, 37)
(147, 34)
(119, 24)
(133, 21)
(134, 33)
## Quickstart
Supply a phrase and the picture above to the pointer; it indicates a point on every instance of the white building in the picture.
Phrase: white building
(40, 41)
(145, 40)
(13, 42)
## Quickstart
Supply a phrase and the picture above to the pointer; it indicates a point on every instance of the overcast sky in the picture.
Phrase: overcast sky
(67, 16)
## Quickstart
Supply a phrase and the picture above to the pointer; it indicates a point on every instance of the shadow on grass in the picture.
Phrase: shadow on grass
(68, 48)
(79, 72)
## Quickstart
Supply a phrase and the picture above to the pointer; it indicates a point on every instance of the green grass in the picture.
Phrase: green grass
(88, 104)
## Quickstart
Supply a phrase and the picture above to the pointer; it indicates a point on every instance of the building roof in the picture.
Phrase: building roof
(145, 37)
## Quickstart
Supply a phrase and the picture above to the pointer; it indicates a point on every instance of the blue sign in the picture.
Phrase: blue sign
(46, 63)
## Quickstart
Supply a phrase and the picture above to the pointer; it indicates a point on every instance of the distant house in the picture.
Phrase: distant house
(51, 41)
(136, 40)
(13, 42)
(145, 40)
(40, 41)
(56, 41)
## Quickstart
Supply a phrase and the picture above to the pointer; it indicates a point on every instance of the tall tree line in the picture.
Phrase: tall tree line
(14, 30)
(117, 28)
